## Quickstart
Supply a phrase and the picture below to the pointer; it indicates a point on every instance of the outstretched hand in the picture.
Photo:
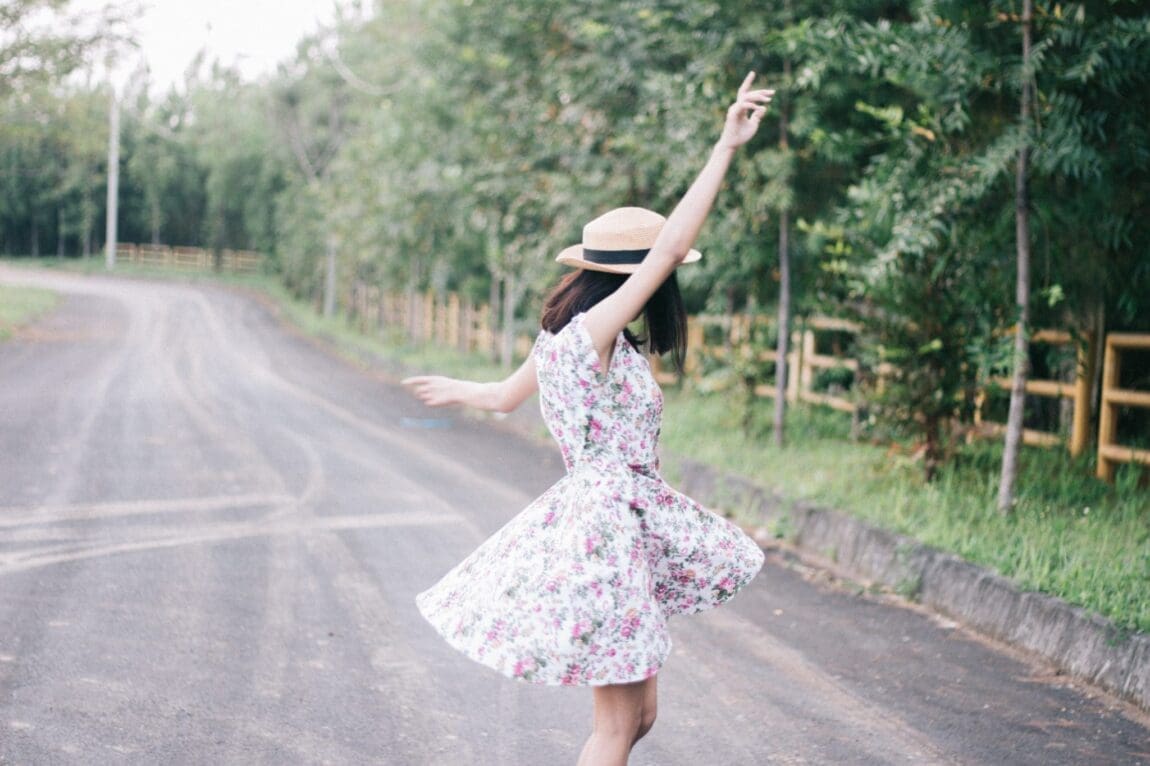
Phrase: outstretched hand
(433, 390)
(744, 116)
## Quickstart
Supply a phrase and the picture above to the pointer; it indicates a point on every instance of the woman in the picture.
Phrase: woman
(577, 589)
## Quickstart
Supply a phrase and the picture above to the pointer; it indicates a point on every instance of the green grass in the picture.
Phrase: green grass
(1070, 535)
(21, 305)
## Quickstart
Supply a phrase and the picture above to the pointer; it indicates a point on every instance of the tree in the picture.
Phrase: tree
(84, 143)
(1013, 439)
(310, 105)
(915, 224)
(44, 41)
(235, 146)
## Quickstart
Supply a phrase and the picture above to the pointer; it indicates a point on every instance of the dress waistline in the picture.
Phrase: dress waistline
(608, 463)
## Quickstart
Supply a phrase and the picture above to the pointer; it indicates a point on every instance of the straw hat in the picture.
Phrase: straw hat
(618, 241)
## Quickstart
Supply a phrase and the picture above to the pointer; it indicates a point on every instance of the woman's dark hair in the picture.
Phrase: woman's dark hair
(664, 320)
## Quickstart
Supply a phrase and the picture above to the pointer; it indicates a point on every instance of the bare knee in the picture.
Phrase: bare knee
(620, 711)
(620, 724)
(646, 721)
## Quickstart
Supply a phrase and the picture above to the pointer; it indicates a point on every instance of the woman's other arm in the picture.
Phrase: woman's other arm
(502, 396)
(605, 321)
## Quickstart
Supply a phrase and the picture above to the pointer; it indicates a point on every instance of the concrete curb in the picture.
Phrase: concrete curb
(1078, 643)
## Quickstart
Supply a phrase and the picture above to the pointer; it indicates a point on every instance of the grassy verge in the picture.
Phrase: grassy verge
(20, 305)
(351, 341)
(1070, 536)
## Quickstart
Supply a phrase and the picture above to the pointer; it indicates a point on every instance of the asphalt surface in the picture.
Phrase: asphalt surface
(211, 533)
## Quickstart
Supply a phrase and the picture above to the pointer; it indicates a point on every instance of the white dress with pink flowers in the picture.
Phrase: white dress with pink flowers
(577, 588)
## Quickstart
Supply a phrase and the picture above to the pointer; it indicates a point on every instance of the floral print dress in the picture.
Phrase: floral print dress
(577, 588)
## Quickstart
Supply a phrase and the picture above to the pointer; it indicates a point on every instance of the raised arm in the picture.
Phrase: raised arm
(502, 396)
(605, 321)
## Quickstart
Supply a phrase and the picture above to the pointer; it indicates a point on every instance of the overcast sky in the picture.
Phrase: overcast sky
(252, 34)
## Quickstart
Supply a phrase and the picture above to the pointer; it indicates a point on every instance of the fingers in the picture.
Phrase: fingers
(750, 78)
(754, 98)
(422, 387)
(752, 105)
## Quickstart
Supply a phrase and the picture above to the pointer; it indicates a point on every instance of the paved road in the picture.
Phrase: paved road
(211, 533)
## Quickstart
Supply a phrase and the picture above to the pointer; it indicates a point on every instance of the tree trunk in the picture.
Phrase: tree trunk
(157, 216)
(1022, 288)
(87, 233)
(932, 450)
(784, 318)
(494, 312)
(510, 299)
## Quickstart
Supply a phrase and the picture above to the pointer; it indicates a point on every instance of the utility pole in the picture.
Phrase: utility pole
(113, 183)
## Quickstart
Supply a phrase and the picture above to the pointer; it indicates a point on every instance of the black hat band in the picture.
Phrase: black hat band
(615, 257)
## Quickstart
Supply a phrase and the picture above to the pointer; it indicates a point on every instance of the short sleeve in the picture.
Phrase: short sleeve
(570, 354)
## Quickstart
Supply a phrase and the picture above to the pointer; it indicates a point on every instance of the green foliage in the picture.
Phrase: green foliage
(922, 250)
(459, 144)
(44, 41)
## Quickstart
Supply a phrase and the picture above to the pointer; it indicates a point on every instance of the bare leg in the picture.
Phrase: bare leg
(647, 716)
(623, 714)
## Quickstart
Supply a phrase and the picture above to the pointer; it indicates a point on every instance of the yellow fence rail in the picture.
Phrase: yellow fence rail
(1110, 453)
(1076, 390)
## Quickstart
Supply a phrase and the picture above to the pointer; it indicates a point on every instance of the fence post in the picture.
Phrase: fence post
(453, 319)
(428, 317)
(1113, 397)
(486, 332)
(806, 381)
(437, 328)
(1108, 412)
(466, 326)
(794, 366)
(1084, 374)
(695, 340)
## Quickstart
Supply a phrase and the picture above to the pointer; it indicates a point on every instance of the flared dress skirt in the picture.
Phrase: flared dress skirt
(577, 588)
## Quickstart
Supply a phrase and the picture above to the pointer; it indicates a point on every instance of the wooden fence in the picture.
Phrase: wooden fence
(445, 320)
(1113, 397)
(726, 340)
(1076, 390)
(189, 258)
(716, 341)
